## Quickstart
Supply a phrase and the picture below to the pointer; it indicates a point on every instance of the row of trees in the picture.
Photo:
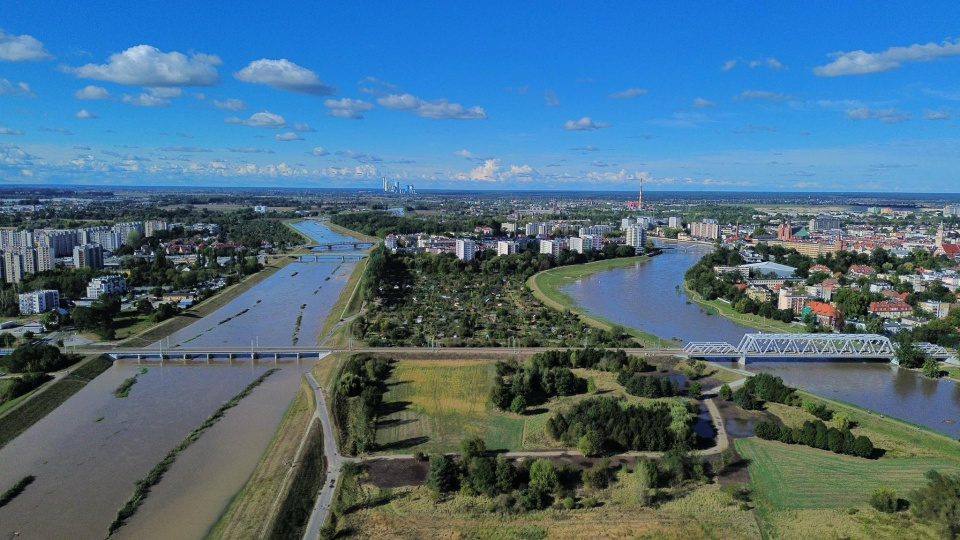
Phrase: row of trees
(816, 434)
(357, 397)
(35, 359)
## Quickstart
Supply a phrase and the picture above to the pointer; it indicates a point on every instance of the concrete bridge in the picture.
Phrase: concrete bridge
(329, 246)
(275, 355)
(823, 346)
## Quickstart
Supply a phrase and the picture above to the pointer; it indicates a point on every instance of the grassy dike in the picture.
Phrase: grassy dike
(349, 302)
(47, 398)
(254, 508)
(142, 487)
(546, 287)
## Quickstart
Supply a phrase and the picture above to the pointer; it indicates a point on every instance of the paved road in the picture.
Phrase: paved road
(334, 463)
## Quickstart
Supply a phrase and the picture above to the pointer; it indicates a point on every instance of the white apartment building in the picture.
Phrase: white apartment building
(636, 237)
(390, 242)
(36, 302)
(506, 247)
(466, 249)
(581, 244)
(106, 285)
(551, 247)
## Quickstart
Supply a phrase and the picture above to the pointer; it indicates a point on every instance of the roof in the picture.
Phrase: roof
(822, 308)
(890, 306)
(781, 270)
(951, 250)
(890, 293)
(862, 269)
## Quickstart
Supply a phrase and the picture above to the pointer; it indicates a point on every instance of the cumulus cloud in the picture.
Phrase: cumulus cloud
(230, 104)
(264, 119)
(144, 65)
(302, 127)
(584, 124)
(937, 115)
(284, 75)
(319, 151)
(763, 94)
(145, 100)
(347, 108)
(861, 62)
(362, 157)
(84, 114)
(439, 108)
(771, 63)
(376, 87)
(701, 103)
(551, 99)
(885, 116)
(182, 148)
(10, 131)
(587, 148)
(92, 92)
(628, 93)
(463, 152)
(486, 172)
(250, 150)
(21, 48)
(8, 88)
(288, 136)
(165, 92)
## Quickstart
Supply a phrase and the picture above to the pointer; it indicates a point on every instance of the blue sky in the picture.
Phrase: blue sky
(568, 95)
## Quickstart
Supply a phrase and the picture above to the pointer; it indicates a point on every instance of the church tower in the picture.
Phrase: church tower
(939, 240)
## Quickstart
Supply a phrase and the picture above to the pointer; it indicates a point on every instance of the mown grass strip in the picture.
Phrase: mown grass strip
(302, 494)
(17, 489)
(142, 487)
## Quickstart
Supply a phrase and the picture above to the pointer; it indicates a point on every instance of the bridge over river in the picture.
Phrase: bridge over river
(819, 346)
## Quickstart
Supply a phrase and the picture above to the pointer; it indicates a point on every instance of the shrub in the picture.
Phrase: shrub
(695, 390)
(744, 399)
(725, 393)
(518, 405)
(569, 503)
(591, 444)
(442, 476)
(884, 499)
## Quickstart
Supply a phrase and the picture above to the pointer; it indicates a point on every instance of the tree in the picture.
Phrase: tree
(725, 393)
(931, 368)
(519, 404)
(505, 475)
(906, 352)
(695, 390)
(598, 476)
(471, 448)
(939, 502)
(442, 476)
(744, 399)
(590, 444)
(483, 476)
(884, 499)
(133, 239)
(144, 306)
(543, 475)
(591, 385)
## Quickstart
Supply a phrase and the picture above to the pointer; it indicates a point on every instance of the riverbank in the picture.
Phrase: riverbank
(253, 510)
(546, 287)
(348, 303)
(349, 232)
(290, 222)
(723, 309)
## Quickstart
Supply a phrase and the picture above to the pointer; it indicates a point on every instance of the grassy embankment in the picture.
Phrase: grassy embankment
(142, 487)
(719, 307)
(208, 306)
(347, 305)
(44, 400)
(358, 235)
(804, 492)
(301, 495)
(433, 404)
(252, 510)
(546, 287)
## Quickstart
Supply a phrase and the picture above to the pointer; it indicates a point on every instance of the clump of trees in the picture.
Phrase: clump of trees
(939, 503)
(816, 434)
(647, 386)
(35, 359)
(542, 376)
(21, 385)
(620, 427)
(357, 397)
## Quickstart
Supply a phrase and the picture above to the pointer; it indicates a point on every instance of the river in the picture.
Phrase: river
(88, 452)
(649, 296)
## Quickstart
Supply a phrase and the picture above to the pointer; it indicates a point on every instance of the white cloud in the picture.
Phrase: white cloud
(861, 62)
(937, 115)
(319, 151)
(63, 130)
(203, 58)
(21, 48)
(763, 94)
(628, 93)
(362, 157)
(288, 136)
(92, 92)
(250, 150)
(8, 88)
(302, 127)
(700, 103)
(264, 119)
(182, 148)
(584, 124)
(145, 100)
(347, 108)
(486, 172)
(463, 152)
(10, 131)
(728, 65)
(551, 99)
(771, 63)
(439, 108)
(230, 104)
(84, 114)
(145, 65)
(165, 92)
(885, 116)
(284, 75)
(587, 148)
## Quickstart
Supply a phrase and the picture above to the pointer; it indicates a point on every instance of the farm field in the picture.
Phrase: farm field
(805, 493)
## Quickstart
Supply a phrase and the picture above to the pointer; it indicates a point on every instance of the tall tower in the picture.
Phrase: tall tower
(939, 241)
(640, 196)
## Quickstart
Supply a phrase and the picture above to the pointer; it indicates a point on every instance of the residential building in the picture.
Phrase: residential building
(824, 223)
(60, 242)
(675, 222)
(628, 222)
(581, 244)
(766, 268)
(35, 302)
(636, 237)
(792, 299)
(506, 247)
(594, 229)
(861, 270)
(13, 271)
(466, 249)
(705, 230)
(742, 270)
(551, 247)
(530, 229)
(261, 209)
(390, 242)
(13, 240)
(759, 294)
(88, 255)
(152, 226)
(106, 285)
(890, 309)
(939, 310)
(826, 314)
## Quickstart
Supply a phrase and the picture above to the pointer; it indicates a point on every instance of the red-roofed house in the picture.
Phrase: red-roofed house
(890, 293)
(861, 270)
(825, 313)
(820, 268)
(950, 250)
(890, 309)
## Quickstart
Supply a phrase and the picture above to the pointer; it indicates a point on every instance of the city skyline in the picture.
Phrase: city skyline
(502, 96)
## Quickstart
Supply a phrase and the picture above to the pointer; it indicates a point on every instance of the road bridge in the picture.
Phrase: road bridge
(329, 246)
(762, 346)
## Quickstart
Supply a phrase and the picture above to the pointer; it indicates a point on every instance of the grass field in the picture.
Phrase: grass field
(546, 287)
(18, 420)
(804, 492)
(252, 510)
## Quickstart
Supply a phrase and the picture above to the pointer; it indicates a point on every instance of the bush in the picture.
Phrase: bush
(598, 476)
(818, 409)
(695, 390)
(884, 499)
(569, 503)
(744, 399)
(939, 502)
(591, 444)
(725, 393)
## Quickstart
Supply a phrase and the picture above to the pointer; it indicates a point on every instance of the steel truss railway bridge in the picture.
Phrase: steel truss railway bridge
(823, 346)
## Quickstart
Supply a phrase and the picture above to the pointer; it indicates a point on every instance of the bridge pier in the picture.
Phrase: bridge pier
(894, 361)
(139, 356)
(253, 356)
(276, 358)
(742, 360)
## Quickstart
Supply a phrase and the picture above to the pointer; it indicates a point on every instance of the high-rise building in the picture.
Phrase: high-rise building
(390, 242)
(824, 223)
(466, 249)
(636, 236)
(13, 240)
(951, 210)
(704, 230)
(35, 302)
(531, 228)
(106, 285)
(13, 266)
(60, 242)
(506, 247)
(675, 222)
(551, 247)
(88, 255)
(44, 259)
(124, 229)
(627, 222)
(581, 244)
(152, 226)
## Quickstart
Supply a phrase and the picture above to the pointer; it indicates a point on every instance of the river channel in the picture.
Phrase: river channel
(649, 296)
(88, 452)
